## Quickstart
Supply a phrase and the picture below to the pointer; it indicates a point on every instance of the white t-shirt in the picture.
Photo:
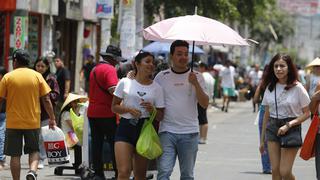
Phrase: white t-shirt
(314, 80)
(64, 126)
(255, 77)
(209, 82)
(181, 114)
(227, 77)
(133, 93)
(290, 102)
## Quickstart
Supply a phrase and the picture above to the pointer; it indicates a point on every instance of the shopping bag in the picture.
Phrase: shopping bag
(77, 123)
(71, 139)
(148, 144)
(55, 145)
(308, 147)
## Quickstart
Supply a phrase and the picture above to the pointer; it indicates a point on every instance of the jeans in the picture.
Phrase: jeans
(266, 167)
(42, 153)
(185, 146)
(2, 135)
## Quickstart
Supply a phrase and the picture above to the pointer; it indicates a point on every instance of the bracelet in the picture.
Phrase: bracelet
(288, 125)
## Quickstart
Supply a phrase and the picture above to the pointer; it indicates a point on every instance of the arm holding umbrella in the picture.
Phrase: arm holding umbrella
(202, 97)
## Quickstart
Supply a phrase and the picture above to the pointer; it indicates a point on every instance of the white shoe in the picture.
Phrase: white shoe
(41, 164)
(202, 141)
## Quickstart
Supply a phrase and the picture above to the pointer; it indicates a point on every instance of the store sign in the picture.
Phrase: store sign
(20, 32)
(74, 10)
(45, 6)
(104, 9)
(89, 10)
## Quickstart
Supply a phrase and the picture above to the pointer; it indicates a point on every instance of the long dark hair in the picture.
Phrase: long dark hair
(46, 62)
(271, 78)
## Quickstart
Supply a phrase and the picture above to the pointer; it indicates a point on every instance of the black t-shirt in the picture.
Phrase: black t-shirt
(62, 75)
(87, 68)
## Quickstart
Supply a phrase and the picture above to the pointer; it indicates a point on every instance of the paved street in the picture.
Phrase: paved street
(231, 153)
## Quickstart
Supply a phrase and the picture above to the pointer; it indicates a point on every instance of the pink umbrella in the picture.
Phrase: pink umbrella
(196, 29)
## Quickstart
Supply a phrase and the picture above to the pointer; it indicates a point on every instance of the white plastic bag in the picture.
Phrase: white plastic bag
(55, 145)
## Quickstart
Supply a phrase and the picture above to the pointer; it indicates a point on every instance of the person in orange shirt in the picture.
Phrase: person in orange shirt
(22, 89)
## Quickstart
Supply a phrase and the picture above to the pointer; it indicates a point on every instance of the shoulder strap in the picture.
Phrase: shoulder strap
(275, 99)
(95, 78)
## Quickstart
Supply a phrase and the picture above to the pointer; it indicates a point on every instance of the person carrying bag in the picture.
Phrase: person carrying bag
(148, 144)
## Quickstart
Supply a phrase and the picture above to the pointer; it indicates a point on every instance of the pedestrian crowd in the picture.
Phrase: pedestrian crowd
(121, 98)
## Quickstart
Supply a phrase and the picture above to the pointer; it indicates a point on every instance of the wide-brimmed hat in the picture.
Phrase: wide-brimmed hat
(113, 52)
(315, 62)
(72, 97)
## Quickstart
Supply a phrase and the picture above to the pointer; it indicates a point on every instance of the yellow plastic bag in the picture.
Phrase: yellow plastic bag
(77, 123)
(148, 144)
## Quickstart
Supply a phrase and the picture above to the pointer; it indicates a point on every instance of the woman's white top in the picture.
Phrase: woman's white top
(290, 102)
(133, 94)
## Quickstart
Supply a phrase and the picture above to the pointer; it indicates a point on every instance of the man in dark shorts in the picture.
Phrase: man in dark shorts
(22, 89)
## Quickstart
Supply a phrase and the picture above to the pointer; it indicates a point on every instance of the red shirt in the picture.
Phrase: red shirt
(100, 101)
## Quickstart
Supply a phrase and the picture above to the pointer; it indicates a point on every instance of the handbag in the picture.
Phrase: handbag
(292, 138)
(309, 144)
(148, 144)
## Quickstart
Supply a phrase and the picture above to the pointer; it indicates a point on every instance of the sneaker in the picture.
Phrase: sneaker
(202, 141)
(31, 175)
(41, 164)
(222, 108)
(267, 172)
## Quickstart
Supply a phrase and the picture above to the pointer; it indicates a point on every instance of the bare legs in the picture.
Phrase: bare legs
(15, 164)
(282, 160)
(125, 157)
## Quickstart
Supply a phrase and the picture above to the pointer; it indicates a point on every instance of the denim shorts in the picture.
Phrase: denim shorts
(13, 141)
(274, 125)
(129, 130)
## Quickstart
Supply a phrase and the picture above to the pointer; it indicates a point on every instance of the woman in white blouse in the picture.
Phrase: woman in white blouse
(286, 107)
(134, 100)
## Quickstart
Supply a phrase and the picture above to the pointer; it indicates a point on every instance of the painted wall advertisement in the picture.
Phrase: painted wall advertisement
(20, 32)
(104, 9)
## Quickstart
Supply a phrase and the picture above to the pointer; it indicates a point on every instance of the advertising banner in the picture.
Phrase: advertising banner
(20, 32)
(104, 8)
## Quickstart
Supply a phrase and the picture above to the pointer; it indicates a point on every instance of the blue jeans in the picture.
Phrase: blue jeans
(266, 167)
(2, 135)
(185, 146)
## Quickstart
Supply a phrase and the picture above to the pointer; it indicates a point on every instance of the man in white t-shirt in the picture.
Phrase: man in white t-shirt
(227, 74)
(255, 77)
(202, 112)
(179, 128)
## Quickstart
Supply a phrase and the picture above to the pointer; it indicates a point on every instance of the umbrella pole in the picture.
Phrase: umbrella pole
(192, 57)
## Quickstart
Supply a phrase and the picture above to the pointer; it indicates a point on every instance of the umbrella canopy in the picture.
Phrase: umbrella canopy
(194, 28)
(164, 48)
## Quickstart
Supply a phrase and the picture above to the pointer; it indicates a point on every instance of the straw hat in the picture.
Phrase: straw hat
(72, 97)
(315, 62)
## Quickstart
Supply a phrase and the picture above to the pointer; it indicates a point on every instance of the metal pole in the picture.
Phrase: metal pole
(192, 57)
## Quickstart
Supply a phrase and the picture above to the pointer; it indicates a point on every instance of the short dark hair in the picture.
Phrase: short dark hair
(204, 65)
(271, 78)
(21, 56)
(178, 43)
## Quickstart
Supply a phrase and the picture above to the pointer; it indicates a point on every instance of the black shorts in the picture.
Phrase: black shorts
(129, 130)
(13, 141)
(273, 127)
(202, 115)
